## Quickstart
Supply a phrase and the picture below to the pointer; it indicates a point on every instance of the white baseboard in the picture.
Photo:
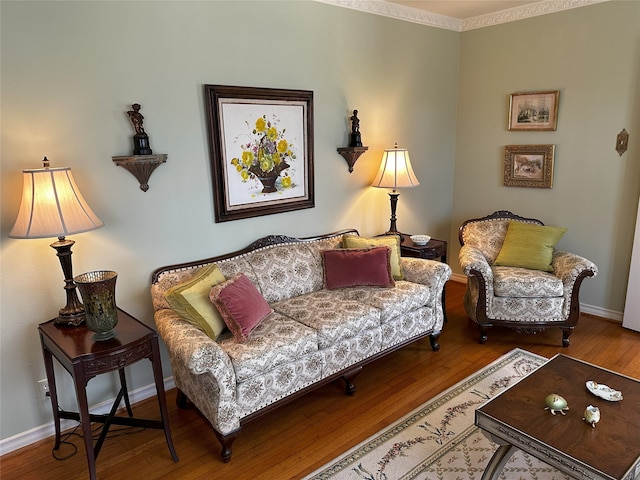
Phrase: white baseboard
(48, 430)
(584, 308)
(601, 312)
(458, 277)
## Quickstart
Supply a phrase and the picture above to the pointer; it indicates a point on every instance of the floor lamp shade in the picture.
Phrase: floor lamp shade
(395, 172)
(52, 206)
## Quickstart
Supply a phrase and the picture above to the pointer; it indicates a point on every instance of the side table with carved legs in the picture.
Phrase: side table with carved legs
(84, 359)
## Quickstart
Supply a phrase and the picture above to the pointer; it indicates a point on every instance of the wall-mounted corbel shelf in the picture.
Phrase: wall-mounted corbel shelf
(351, 155)
(141, 166)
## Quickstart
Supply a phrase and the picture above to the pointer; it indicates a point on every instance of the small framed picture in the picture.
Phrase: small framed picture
(261, 146)
(528, 165)
(534, 110)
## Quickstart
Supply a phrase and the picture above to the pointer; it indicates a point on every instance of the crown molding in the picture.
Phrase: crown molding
(416, 15)
(400, 12)
(526, 11)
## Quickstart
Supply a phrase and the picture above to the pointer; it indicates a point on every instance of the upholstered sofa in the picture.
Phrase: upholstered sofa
(311, 334)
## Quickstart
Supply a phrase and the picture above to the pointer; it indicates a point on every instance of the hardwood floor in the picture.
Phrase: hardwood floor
(300, 437)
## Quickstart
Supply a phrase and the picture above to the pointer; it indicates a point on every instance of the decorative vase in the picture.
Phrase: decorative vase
(98, 290)
(269, 183)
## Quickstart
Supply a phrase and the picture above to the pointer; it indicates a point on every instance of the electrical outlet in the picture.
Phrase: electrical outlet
(43, 389)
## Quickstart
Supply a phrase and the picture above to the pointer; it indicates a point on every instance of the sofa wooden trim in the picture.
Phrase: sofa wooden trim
(347, 375)
(260, 243)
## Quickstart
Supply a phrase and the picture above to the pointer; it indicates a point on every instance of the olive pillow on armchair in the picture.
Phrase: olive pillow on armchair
(529, 246)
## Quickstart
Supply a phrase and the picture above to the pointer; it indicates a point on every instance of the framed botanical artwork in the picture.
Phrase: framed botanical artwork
(534, 110)
(528, 165)
(261, 148)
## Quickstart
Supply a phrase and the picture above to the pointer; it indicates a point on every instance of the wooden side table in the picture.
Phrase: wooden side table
(84, 359)
(433, 250)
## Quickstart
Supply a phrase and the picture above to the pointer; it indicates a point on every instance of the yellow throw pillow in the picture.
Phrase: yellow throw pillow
(191, 300)
(529, 246)
(391, 241)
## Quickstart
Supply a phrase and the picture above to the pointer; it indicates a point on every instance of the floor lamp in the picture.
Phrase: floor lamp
(395, 172)
(52, 206)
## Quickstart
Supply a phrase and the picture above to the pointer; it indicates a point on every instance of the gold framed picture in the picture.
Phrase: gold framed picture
(534, 110)
(529, 165)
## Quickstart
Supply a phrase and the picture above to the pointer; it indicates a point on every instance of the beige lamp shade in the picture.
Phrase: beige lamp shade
(395, 170)
(52, 205)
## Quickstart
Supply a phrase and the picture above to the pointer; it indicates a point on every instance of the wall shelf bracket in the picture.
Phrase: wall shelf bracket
(141, 166)
(351, 155)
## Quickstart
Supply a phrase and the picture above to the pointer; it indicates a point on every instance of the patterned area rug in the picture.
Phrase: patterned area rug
(438, 441)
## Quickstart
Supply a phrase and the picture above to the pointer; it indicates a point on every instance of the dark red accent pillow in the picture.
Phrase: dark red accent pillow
(357, 267)
(240, 304)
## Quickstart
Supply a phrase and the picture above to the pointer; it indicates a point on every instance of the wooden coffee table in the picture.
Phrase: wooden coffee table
(516, 419)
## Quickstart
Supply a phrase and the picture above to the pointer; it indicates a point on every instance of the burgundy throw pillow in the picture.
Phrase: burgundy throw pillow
(356, 267)
(240, 304)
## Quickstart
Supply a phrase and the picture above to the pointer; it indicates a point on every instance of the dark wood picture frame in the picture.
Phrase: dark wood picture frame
(529, 165)
(261, 149)
(534, 111)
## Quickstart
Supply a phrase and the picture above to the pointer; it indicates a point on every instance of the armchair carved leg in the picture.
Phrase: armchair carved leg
(565, 336)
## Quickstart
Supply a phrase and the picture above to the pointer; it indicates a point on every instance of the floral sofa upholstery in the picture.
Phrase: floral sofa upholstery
(313, 336)
(527, 300)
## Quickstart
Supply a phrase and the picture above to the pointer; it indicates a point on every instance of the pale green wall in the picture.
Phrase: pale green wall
(592, 55)
(70, 72)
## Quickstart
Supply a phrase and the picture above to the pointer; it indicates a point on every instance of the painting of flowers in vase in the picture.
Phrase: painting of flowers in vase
(261, 150)
(266, 156)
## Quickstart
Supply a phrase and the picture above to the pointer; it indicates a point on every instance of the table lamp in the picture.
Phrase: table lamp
(52, 206)
(395, 172)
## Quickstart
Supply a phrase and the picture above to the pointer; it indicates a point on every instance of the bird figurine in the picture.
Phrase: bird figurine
(556, 404)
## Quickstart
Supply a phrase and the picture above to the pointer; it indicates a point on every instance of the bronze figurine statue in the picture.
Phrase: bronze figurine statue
(355, 139)
(140, 139)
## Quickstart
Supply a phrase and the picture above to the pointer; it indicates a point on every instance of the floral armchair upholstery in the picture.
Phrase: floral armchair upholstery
(524, 299)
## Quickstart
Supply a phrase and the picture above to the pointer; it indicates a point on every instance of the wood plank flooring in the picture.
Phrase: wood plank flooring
(300, 437)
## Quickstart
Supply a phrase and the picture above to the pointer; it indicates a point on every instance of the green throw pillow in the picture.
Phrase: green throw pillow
(191, 300)
(391, 241)
(529, 246)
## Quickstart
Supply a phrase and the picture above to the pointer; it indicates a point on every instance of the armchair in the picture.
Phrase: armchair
(525, 299)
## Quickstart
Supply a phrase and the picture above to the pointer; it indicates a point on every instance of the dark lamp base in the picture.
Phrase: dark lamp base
(70, 320)
(72, 314)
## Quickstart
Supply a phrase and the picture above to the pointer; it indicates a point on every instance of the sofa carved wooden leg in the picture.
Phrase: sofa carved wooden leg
(348, 378)
(483, 335)
(565, 336)
(226, 441)
(433, 338)
(181, 399)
